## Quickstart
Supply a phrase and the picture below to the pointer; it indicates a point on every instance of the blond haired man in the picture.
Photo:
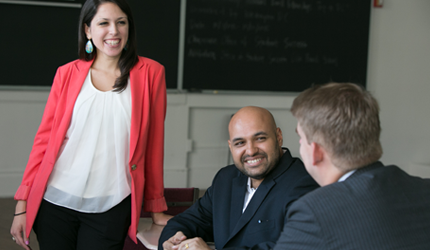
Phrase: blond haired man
(361, 204)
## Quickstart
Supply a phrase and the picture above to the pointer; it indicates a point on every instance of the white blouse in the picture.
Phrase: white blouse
(91, 172)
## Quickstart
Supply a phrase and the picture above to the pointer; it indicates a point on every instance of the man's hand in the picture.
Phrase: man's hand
(174, 241)
(196, 243)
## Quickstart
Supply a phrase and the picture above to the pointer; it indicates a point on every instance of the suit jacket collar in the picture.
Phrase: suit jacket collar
(366, 169)
(239, 220)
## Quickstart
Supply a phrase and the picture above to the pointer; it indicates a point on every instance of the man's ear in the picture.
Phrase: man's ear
(318, 154)
(279, 137)
(229, 144)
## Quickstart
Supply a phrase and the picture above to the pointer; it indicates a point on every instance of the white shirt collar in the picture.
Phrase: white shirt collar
(248, 186)
(248, 195)
(345, 176)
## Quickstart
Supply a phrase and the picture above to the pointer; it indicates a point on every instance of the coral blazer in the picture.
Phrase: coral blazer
(148, 101)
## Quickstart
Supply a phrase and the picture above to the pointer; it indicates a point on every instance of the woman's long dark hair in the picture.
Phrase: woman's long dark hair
(128, 57)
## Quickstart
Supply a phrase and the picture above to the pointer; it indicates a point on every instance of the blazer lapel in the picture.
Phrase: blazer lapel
(235, 205)
(252, 207)
(137, 93)
(73, 89)
(72, 86)
(239, 220)
(82, 68)
(237, 199)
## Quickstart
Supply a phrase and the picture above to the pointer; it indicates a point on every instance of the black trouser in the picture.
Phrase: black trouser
(62, 228)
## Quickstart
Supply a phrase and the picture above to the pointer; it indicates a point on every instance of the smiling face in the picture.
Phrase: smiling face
(108, 30)
(255, 142)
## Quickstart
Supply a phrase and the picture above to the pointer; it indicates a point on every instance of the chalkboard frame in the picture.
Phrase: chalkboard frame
(52, 3)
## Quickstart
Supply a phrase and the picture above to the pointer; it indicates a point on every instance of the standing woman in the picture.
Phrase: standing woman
(98, 153)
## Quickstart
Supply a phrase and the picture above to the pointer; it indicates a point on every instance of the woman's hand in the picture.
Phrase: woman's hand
(18, 225)
(160, 218)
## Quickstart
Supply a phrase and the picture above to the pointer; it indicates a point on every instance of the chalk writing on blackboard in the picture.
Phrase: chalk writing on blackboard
(245, 34)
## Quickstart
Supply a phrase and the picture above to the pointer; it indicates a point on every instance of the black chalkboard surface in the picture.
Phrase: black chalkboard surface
(37, 40)
(256, 45)
(275, 45)
(157, 27)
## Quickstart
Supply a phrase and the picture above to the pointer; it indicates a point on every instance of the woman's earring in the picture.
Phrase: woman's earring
(126, 45)
(89, 47)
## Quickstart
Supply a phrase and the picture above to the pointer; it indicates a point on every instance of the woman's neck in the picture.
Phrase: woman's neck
(104, 73)
(106, 64)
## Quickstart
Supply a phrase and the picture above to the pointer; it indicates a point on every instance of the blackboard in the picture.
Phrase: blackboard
(157, 28)
(256, 45)
(37, 40)
(274, 45)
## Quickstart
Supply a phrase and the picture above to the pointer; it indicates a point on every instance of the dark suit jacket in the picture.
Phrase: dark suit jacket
(377, 207)
(217, 216)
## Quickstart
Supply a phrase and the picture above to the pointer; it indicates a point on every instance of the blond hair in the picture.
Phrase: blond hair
(344, 119)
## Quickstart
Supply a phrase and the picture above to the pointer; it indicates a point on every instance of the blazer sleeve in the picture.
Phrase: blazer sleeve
(301, 230)
(196, 221)
(41, 139)
(154, 185)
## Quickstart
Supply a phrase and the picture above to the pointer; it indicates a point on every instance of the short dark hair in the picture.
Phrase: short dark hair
(344, 119)
(128, 57)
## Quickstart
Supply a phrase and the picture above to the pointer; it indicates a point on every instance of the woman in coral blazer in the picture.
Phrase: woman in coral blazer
(111, 30)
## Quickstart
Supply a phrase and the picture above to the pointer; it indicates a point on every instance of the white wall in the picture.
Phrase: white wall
(399, 77)
(20, 115)
(196, 124)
